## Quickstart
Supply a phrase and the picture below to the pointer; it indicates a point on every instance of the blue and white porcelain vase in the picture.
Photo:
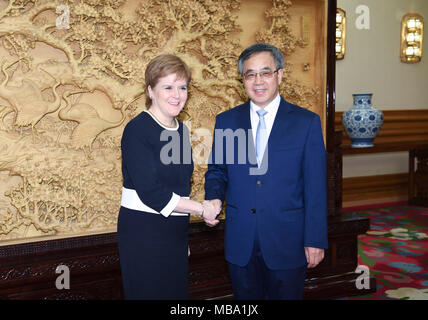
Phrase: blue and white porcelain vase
(362, 122)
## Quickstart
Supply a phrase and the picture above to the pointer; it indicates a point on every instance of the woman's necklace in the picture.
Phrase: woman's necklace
(157, 119)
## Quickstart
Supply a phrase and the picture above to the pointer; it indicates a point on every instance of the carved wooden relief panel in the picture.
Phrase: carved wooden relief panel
(72, 76)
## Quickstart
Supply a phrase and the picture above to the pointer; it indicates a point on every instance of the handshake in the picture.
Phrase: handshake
(210, 210)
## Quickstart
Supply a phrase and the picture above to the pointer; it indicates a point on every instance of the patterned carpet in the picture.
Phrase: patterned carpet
(395, 250)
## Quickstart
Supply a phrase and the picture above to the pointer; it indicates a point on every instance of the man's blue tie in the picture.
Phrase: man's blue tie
(261, 135)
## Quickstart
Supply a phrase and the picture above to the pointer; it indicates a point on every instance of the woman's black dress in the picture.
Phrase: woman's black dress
(157, 167)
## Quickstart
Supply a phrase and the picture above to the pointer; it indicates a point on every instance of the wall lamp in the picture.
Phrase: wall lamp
(412, 31)
(340, 33)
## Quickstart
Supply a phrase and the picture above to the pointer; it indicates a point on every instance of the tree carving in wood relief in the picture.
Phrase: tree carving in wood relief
(72, 76)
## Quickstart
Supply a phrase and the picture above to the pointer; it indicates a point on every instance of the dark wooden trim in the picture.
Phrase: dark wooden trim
(333, 175)
(418, 177)
(208, 273)
(386, 147)
(28, 270)
(48, 246)
(335, 276)
(331, 75)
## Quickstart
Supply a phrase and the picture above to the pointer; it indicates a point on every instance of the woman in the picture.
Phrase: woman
(154, 214)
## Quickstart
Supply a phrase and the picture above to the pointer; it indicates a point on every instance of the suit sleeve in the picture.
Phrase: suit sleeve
(216, 175)
(315, 187)
(142, 166)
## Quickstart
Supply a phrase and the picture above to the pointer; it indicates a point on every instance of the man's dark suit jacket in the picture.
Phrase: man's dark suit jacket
(285, 201)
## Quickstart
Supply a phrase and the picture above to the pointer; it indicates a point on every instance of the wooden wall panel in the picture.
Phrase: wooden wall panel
(402, 130)
(405, 127)
(374, 189)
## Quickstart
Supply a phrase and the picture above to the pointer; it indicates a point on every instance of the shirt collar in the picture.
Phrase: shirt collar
(271, 108)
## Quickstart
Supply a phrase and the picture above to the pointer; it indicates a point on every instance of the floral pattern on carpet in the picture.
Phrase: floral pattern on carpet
(395, 250)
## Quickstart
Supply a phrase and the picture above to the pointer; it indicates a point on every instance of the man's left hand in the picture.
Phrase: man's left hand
(314, 256)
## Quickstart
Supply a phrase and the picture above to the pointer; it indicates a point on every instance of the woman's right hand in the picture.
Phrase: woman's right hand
(210, 213)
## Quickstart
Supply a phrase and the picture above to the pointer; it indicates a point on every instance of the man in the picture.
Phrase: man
(276, 206)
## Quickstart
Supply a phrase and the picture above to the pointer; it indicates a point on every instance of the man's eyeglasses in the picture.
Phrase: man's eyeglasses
(265, 74)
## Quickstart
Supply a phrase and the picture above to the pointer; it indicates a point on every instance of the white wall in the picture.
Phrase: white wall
(372, 64)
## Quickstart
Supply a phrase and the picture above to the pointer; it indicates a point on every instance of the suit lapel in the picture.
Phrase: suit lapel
(280, 123)
(244, 122)
(279, 127)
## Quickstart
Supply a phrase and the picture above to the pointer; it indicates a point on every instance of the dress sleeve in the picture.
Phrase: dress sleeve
(142, 165)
